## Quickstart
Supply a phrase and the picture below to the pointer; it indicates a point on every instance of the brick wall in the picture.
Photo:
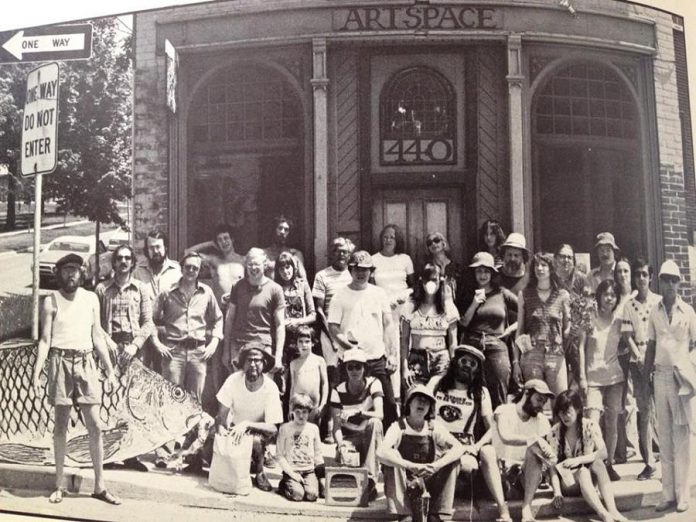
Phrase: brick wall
(671, 169)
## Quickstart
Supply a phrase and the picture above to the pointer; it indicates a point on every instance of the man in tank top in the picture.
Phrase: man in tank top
(70, 334)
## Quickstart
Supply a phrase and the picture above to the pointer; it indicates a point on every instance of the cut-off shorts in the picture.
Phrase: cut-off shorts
(73, 377)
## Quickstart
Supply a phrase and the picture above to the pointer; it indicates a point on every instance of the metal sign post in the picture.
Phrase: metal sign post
(39, 153)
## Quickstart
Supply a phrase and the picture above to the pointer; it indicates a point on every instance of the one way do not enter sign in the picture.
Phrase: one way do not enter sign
(40, 121)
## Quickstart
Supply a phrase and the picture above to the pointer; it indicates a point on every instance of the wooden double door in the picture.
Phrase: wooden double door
(419, 212)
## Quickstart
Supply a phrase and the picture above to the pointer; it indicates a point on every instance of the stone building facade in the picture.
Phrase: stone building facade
(561, 122)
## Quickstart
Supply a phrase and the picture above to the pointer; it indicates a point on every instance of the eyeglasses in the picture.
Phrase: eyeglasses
(124, 258)
(254, 361)
(353, 367)
(435, 240)
(192, 267)
(467, 362)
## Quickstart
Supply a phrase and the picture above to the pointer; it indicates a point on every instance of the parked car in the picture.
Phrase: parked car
(117, 238)
(83, 246)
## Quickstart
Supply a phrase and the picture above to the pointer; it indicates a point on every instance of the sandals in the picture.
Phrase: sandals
(57, 496)
(107, 497)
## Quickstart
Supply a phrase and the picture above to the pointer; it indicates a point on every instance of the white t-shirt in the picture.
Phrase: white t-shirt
(454, 407)
(391, 272)
(506, 416)
(359, 312)
(262, 405)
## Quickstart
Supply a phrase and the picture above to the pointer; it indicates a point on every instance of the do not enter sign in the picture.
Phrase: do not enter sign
(40, 121)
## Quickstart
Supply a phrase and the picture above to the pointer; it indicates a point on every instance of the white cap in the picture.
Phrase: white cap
(669, 268)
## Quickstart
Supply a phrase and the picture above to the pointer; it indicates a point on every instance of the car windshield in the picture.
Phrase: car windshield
(69, 246)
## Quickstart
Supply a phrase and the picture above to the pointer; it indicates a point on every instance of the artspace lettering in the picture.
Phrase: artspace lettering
(416, 18)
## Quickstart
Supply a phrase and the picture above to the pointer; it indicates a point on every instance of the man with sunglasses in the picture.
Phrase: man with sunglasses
(671, 339)
(126, 314)
(185, 314)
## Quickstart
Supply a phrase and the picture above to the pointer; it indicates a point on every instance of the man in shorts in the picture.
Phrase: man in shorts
(70, 334)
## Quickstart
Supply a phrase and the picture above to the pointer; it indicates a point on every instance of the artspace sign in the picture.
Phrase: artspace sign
(416, 17)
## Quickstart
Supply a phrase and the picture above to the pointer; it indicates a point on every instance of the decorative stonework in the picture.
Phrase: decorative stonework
(630, 70)
(537, 64)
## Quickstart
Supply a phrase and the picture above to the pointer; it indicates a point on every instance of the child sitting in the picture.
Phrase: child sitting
(299, 452)
(308, 374)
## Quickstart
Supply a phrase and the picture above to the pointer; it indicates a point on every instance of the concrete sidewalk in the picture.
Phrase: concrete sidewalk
(191, 491)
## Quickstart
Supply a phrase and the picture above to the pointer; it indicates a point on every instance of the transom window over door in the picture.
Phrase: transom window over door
(418, 119)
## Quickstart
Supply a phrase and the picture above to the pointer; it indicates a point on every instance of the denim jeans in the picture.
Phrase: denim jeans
(186, 368)
(547, 366)
(497, 370)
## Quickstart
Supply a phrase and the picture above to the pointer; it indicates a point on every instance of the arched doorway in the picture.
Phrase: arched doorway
(588, 175)
(245, 166)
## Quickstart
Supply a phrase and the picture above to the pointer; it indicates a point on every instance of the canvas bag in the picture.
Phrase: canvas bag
(229, 470)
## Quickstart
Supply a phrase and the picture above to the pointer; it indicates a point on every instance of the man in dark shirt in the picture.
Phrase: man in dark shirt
(513, 273)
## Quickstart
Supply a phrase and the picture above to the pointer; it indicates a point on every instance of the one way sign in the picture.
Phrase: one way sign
(39, 44)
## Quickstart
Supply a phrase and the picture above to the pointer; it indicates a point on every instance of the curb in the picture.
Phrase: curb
(193, 491)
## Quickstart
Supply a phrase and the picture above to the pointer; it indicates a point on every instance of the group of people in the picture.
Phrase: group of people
(476, 352)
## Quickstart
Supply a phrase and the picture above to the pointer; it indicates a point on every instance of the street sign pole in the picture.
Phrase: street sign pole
(38, 178)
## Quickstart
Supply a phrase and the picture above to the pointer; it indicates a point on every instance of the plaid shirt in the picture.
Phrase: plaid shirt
(126, 310)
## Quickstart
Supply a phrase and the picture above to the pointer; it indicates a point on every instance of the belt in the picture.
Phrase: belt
(122, 337)
(189, 344)
(71, 354)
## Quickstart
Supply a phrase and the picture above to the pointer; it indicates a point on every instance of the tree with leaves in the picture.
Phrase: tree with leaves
(94, 127)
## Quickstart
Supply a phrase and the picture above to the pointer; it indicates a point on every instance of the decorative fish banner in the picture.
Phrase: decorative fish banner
(139, 415)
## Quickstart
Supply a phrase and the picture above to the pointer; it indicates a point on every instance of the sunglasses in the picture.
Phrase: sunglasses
(353, 366)
(434, 240)
(191, 267)
(124, 258)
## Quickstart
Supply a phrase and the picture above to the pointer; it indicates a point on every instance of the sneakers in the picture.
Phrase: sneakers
(682, 506)
(269, 460)
(647, 473)
(665, 505)
(613, 475)
(262, 482)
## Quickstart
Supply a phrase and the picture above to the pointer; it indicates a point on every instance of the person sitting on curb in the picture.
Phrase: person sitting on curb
(419, 454)
(299, 452)
(463, 405)
(579, 447)
(250, 403)
(518, 439)
(356, 408)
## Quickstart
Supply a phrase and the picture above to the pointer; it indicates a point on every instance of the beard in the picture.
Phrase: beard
(252, 375)
(464, 377)
(530, 409)
(157, 259)
(512, 265)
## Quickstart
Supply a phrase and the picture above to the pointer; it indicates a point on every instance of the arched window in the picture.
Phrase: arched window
(586, 99)
(244, 104)
(418, 118)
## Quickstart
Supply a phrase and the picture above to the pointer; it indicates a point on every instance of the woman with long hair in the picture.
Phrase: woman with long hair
(394, 273)
(490, 239)
(428, 329)
(580, 451)
(438, 253)
(299, 305)
(486, 324)
(543, 324)
(604, 376)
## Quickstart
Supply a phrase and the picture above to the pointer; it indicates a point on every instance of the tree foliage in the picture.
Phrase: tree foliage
(94, 127)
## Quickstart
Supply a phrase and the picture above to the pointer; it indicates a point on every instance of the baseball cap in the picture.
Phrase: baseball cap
(669, 268)
(69, 259)
(354, 355)
(420, 389)
(361, 259)
(468, 349)
(538, 386)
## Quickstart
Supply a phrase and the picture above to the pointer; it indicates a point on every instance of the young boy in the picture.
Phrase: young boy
(308, 374)
(299, 452)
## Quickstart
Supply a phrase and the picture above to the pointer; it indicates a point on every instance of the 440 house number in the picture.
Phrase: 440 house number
(417, 152)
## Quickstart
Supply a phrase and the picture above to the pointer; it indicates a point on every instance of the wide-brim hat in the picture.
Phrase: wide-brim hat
(361, 259)
(467, 349)
(483, 259)
(70, 259)
(539, 386)
(515, 240)
(268, 358)
(606, 238)
(420, 389)
(669, 268)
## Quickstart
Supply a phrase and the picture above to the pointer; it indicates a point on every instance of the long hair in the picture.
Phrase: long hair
(114, 256)
(285, 259)
(602, 289)
(542, 257)
(565, 400)
(475, 387)
(429, 273)
(630, 267)
(398, 238)
(496, 229)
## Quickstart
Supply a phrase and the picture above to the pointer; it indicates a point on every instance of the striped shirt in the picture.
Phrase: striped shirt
(327, 281)
(343, 399)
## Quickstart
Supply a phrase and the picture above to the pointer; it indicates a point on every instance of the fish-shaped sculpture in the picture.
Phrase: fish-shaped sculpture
(143, 412)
